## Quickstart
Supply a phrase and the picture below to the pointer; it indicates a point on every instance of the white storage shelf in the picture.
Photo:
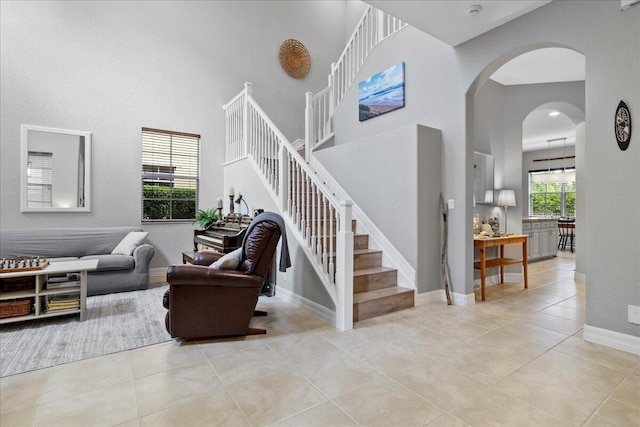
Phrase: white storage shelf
(76, 271)
(38, 296)
(543, 238)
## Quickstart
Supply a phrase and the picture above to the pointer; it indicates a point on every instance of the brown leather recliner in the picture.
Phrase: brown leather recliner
(206, 302)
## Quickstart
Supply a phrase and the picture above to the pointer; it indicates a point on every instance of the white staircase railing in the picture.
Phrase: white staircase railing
(321, 223)
(374, 26)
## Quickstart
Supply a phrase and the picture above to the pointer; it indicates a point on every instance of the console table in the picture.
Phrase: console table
(58, 278)
(501, 261)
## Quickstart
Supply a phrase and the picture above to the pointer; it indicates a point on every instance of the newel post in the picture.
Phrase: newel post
(344, 269)
(245, 118)
(308, 126)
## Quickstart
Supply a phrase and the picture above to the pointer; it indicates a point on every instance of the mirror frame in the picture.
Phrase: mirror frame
(24, 166)
(487, 158)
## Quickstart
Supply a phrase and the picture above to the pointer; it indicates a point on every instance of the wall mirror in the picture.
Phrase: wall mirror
(55, 170)
(483, 165)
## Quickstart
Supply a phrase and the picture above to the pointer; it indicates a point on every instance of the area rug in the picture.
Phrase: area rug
(113, 323)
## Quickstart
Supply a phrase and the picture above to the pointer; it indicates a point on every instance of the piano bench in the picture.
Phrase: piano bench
(187, 256)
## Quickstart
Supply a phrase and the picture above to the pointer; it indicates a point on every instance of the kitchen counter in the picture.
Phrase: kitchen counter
(543, 236)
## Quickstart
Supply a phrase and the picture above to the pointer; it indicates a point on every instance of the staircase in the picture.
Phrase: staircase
(351, 272)
(375, 288)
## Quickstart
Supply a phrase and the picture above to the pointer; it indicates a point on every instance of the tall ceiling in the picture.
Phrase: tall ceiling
(457, 21)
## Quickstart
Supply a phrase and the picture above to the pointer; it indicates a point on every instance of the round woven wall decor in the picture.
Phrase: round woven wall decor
(295, 58)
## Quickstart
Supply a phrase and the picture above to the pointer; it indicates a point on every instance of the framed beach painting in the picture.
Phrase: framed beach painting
(382, 92)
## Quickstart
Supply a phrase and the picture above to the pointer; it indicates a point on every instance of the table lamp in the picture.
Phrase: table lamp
(506, 198)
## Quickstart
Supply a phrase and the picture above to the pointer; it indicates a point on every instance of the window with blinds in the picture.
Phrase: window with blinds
(170, 175)
(39, 179)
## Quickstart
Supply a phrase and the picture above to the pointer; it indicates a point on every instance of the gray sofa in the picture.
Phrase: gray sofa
(115, 273)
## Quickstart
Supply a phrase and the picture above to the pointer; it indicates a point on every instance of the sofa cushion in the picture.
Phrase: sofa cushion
(130, 242)
(61, 242)
(112, 262)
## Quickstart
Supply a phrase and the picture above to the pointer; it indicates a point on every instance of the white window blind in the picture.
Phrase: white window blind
(170, 175)
(39, 179)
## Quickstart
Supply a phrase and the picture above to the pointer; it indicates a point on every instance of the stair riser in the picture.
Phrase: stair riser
(379, 307)
(371, 282)
(367, 260)
(361, 241)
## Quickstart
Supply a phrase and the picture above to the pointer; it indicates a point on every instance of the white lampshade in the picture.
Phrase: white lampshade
(488, 196)
(506, 198)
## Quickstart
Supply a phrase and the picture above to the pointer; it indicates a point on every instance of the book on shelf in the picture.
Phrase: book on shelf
(69, 277)
(65, 284)
(63, 302)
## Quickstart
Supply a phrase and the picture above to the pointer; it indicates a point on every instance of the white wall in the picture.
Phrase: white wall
(111, 68)
(433, 98)
(394, 177)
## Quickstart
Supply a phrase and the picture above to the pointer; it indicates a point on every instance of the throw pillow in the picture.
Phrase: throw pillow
(229, 261)
(130, 242)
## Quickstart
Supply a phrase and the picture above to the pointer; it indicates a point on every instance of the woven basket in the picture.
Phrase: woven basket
(13, 308)
(11, 284)
(295, 58)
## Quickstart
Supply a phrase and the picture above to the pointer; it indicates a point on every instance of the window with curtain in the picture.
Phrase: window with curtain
(552, 193)
(39, 179)
(170, 175)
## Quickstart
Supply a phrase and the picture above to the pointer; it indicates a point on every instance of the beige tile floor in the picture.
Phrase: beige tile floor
(517, 359)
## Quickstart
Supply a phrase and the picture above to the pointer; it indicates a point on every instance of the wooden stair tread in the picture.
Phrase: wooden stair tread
(372, 270)
(360, 297)
(366, 251)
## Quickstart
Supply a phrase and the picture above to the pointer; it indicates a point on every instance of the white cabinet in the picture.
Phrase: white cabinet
(543, 238)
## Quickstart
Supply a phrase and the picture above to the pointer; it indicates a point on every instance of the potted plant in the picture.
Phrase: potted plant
(206, 218)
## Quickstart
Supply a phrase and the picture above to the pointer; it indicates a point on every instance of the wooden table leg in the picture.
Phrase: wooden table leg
(524, 264)
(502, 266)
(483, 270)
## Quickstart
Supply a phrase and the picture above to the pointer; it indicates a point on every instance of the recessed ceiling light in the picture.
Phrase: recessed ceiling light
(554, 113)
(474, 10)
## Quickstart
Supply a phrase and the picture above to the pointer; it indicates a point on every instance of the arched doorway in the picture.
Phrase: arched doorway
(495, 116)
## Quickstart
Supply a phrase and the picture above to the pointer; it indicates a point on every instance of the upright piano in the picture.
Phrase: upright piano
(220, 239)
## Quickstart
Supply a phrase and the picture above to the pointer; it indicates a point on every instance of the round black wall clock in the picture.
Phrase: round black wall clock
(623, 125)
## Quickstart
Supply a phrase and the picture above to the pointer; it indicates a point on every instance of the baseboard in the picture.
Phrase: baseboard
(314, 308)
(617, 340)
(441, 295)
(580, 277)
(464, 300)
(428, 297)
(158, 275)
